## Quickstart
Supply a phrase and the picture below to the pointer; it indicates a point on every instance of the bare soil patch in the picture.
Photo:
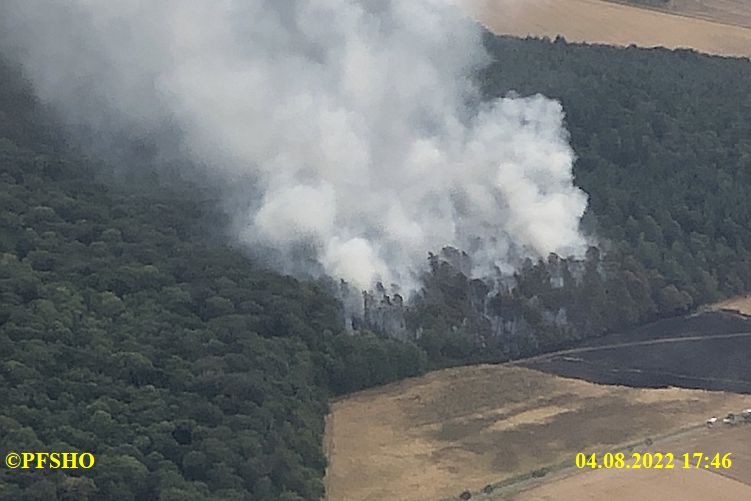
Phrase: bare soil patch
(691, 24)
(432, 437)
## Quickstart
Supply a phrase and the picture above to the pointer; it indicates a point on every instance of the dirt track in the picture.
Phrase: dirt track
(733, 12)
(683, 484)
(597, 21)
(647, 485)
(708, 351)
(651, 342)
(432, 437)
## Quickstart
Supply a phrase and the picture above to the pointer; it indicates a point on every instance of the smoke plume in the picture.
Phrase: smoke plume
(356, 120)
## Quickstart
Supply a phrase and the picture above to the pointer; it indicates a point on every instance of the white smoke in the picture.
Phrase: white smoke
(356, 119)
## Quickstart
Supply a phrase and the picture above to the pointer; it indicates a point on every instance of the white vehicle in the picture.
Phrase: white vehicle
(711, 422)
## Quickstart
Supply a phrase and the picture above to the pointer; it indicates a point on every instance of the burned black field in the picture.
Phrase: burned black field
(708, 351)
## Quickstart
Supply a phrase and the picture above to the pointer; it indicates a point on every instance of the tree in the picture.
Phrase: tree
(671, 300)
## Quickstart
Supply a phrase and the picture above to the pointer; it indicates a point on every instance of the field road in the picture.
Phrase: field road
(437, 435)
(434, 436)
(693, 484)
(678, 339)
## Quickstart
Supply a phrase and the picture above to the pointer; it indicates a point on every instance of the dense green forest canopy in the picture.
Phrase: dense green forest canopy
(130, 331)
(663, 140)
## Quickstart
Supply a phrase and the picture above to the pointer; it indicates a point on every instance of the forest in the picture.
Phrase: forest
(131, 330)
(664, 152)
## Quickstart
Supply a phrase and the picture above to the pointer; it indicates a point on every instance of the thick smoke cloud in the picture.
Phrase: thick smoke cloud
(356, 120)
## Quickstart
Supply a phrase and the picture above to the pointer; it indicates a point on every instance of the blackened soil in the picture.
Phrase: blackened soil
(713, 362)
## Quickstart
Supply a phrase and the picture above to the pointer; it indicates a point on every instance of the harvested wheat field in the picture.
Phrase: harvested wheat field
(646, 485)
(740, 304)
(597, 21)
(433, 437)
(691, 484)
(737, 12)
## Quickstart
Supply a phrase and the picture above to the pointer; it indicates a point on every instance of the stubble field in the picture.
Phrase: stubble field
(713, 26)
(433, 437)
(693, 484)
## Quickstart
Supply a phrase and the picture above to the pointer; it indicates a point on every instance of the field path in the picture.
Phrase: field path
(434, 436)
(677, 339)
(732, 12)
(685, 484)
